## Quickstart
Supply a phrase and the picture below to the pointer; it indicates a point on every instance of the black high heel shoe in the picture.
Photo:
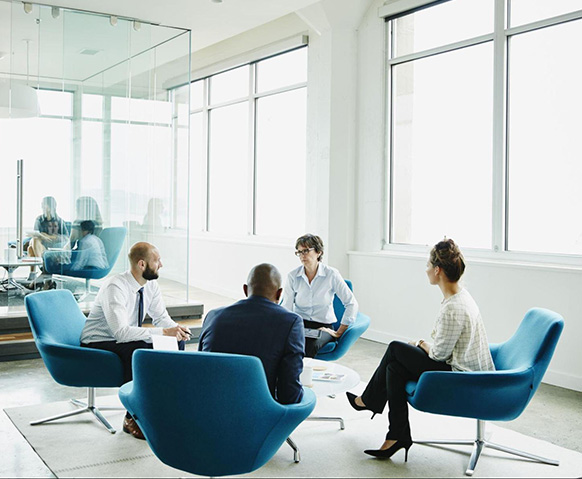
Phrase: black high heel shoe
(352, 401)
(387, 453)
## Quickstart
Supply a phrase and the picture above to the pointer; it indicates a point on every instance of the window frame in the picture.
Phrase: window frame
(252, 98)
(501, 36)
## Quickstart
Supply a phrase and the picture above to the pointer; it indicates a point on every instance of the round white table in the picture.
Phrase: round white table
(349, 380)
(11, 266)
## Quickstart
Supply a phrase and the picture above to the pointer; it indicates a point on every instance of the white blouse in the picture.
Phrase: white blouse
(314, 302)
(459, 335)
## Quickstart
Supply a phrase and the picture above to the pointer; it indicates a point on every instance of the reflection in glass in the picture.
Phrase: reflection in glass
(280, 160)
(282, 70)
(442, 150)
(197, 173)
(105, 143)
(439, 25)
(229, 169)
(229, 85)
(545, 145)
(92, 106)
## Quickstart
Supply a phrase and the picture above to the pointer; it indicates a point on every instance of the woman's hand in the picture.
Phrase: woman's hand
(336, 334)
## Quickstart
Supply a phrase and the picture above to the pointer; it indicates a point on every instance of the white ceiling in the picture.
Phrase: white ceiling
(55, 42)
(210, 22)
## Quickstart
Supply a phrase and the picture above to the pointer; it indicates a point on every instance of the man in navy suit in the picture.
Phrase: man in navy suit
(258, 326)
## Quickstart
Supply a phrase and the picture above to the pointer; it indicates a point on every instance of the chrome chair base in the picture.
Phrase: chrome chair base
(296, 454)
(480, 443)
(89, 407)
(328, 418)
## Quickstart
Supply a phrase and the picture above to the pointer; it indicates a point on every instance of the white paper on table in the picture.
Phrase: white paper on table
(165, 343)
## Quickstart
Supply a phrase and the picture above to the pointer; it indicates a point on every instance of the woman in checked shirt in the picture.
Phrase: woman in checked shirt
(459, 344)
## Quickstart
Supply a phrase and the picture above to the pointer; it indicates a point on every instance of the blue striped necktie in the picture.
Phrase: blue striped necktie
(140, 307)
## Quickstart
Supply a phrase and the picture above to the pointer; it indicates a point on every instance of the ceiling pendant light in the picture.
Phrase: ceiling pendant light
(18, 100)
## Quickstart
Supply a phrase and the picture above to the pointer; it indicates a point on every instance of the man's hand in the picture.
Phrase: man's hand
(181, 333)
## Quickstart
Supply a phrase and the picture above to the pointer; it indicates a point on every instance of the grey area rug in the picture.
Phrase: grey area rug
(80, 447)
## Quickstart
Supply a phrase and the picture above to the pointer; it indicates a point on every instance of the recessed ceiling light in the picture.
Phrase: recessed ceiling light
(89, 51)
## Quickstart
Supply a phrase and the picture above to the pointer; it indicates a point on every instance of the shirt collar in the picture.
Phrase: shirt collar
(321, 271)
(256, 297)
(133, 284)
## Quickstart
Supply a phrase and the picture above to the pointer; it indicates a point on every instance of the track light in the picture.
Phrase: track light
(27, 7)
(113, 20)
(55, 12)
(136, 25)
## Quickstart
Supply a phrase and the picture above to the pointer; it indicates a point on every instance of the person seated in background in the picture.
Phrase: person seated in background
(152, 221)
(258, 326)
(90, 252)
(86, 209)
(50, 231)
(309, 291)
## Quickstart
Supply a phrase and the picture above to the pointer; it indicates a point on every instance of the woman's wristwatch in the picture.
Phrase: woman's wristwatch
(419, 342)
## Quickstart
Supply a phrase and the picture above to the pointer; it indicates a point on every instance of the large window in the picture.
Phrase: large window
(483, 122)
(248, 131)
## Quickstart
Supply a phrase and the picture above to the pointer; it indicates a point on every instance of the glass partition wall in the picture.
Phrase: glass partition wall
(105, 160)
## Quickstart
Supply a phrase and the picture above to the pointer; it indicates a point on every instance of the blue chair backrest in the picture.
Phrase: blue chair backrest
(213, 410)
(55, 317)
(113, 239)
(338, 307)
(532, 345)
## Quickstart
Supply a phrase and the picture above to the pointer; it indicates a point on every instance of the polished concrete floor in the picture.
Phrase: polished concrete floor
(554, 414)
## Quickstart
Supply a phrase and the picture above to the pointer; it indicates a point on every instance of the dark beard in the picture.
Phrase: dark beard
(149, 273)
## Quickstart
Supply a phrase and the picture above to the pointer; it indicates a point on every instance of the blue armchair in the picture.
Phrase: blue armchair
(112, 238)
(219, 407)
(500, 395)
(56, 323)
(336, 349)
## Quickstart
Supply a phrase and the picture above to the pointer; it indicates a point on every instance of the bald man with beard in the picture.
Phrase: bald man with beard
(115, 320)
(258, 326)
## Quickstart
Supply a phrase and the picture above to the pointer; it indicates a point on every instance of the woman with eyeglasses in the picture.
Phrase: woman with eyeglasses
(309, 292)
(459, 344)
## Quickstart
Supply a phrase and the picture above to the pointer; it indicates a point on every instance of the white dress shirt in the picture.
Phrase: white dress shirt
(90, 254)
(113, 316)
(314, 301)
(459, 335)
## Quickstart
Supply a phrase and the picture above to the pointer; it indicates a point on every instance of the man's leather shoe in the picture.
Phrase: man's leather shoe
(131, 427)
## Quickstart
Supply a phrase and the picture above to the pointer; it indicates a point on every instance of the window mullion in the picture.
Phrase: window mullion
(499, 177)
(252, 180)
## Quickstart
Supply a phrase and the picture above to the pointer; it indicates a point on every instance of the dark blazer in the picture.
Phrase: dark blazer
(258, 327)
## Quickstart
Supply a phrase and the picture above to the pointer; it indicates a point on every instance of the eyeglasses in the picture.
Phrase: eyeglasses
(303, 252)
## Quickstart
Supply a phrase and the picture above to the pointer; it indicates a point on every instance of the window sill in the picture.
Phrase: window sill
(502, 260)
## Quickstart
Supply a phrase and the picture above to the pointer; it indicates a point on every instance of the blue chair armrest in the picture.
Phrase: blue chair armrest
(126, 396)
(345, 342)
(305, 406)
(486, 395)
(99, 368)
